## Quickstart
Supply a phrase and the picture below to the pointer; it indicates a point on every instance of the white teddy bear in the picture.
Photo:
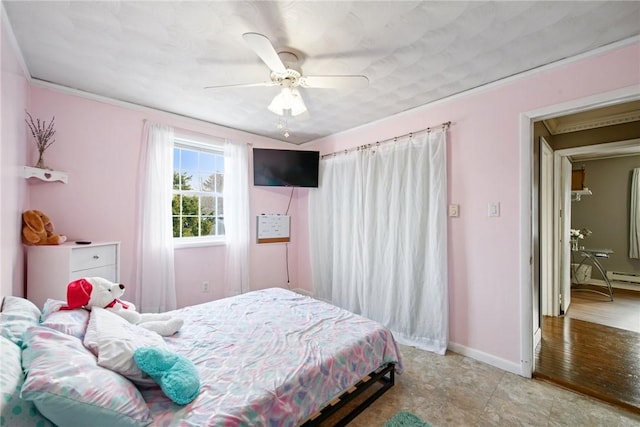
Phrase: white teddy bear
(99, 292)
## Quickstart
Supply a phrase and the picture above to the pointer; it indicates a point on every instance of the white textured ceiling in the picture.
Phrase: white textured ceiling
(162, 54)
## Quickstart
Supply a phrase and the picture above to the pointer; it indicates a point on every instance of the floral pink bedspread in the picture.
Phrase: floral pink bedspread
(270, 358)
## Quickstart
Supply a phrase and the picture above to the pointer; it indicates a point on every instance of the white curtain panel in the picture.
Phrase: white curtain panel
(336, 210)
(378, 236)
(155, 290)
(236, 217)
(634, 216)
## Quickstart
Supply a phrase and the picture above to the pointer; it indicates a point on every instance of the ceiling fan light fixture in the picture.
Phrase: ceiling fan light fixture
(288, 99)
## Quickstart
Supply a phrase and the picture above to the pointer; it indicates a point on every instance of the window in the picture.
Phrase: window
(198, 180)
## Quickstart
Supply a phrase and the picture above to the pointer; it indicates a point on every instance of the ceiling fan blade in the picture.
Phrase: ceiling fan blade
(242, 85)
(265, 50)
(334, 82)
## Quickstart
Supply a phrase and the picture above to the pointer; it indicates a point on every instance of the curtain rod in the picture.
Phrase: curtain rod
(444, 125)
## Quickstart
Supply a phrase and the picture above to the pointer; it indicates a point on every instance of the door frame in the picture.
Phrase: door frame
(555, 192)
(562, 256)
(527, 337)
(546, 205)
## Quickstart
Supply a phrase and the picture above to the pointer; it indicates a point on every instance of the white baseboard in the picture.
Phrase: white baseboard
(614, 284)
(489, 359)
(619, 276)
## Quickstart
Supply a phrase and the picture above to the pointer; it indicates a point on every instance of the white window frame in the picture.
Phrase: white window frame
(214, 147)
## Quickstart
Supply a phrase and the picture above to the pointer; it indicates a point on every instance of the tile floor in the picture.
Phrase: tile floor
(454, 390)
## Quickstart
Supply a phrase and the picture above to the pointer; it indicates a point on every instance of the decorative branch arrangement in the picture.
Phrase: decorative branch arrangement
(43, 135)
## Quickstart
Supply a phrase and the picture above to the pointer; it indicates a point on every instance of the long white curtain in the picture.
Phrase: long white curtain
(236, 217)
(155, 287)
(634, 216)
(378, 236)
(336, 210)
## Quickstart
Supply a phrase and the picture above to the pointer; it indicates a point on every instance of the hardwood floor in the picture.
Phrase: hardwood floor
(593, 359)
(623, 312)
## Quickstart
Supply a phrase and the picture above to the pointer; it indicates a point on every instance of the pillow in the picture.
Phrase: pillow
(71, 322)
(13, 410)
(50, 306)
(114, 339)
(18, 314)
(68, 387)
(177, 376)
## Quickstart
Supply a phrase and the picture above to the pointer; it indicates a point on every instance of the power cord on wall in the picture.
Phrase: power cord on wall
(290, 198)
(286, 245)
(286, 252)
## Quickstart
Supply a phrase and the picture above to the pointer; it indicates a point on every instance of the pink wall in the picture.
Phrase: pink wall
(484, 165)
(14, 94)
(98, 145)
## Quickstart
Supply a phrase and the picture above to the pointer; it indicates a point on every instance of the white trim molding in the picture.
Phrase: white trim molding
(626, 94)
(505, 365)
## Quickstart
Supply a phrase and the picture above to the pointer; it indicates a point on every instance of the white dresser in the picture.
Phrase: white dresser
(50, 268)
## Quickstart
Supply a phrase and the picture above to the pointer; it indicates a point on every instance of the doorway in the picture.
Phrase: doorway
(557, 333)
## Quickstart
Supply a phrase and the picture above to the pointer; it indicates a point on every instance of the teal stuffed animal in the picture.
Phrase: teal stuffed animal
(177, 376)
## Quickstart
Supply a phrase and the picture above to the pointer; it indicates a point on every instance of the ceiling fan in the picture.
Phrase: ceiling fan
(290, 78)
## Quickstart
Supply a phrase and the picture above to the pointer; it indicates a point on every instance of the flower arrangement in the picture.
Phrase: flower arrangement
(577, 234)
(43, 134)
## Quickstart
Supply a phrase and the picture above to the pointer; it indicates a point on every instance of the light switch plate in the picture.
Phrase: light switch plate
(494, 209)
(454, 210)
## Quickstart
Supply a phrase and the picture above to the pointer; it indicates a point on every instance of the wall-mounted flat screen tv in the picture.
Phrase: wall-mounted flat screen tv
(285, 168)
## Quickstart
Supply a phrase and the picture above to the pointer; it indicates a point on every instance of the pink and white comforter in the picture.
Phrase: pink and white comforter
(270, 358)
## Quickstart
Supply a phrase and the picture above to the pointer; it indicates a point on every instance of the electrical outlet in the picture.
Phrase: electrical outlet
(454, 210)
(205, 286)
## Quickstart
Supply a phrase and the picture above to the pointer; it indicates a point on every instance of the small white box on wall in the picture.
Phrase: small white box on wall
(273, 228)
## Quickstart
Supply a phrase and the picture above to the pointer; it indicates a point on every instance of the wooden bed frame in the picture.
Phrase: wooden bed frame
(384, 376)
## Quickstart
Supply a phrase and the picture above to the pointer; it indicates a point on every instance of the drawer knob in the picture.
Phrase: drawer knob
(96, 257)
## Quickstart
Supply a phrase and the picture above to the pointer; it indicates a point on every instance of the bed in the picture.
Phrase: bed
(270, 357)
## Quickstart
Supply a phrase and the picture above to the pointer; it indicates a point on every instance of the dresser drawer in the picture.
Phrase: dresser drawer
(108, 272)
(93, 257)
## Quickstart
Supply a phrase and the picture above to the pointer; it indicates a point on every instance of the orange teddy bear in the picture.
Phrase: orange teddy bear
(38, 229)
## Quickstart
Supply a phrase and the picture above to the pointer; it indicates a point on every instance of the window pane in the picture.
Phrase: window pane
(188, 160)
(209, 183)
(175, 204)
(207, 205)
(197, 182)
(219, 183)
(189, 169)
(220, 164)
(182, 181)
(207, 162)
(176, 168)
(208, 226)
(189, 205)
(176, 226)
(190, 226)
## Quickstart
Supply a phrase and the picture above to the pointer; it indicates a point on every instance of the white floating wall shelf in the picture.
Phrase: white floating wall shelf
(45, 174)
(576, 195)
